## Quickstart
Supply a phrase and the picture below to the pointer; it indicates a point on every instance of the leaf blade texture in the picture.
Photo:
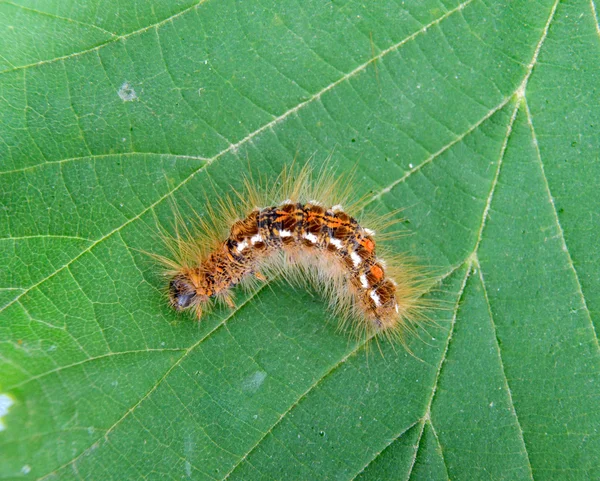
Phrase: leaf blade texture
(479, 119)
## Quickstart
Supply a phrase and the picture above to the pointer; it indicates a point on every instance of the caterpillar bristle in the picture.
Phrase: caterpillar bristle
(302, 227)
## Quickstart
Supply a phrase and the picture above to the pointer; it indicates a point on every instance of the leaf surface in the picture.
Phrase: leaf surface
(479, 119)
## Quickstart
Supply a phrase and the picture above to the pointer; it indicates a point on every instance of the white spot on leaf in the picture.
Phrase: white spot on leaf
(188, 448)
(5, 403)
(127, 93)
(253, 382)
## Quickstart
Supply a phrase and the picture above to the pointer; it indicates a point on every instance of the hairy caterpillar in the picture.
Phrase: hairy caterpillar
(295, 227)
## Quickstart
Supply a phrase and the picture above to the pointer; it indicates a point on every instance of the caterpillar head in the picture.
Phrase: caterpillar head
(185, 292)
(181, 294)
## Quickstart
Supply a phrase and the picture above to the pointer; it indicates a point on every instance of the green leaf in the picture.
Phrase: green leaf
(480, 119)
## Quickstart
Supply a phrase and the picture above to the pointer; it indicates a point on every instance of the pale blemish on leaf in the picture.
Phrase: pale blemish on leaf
(189, 450)
(253, 382)
(127, 93)
(5, 403)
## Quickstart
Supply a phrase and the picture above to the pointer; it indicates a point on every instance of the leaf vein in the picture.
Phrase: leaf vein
(58, 17)
(595, 15)
(186, 352)
(558, 225)
(427, 414)
(87, 360)
(377, 455)
(329, 372)
(108, 42)
(506, 385)
(439, 444)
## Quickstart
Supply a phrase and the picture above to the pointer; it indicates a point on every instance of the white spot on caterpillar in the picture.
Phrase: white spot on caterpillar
(285, 233)
(256, 238)
(5, 403)
(242, 245)
(310, 237)
(286, 201)
(126, 92)
(364, 281)
(336, 242)
(337, 208)
(314, 202)
(376, 299)
(369, 231)
(396, 307)
(382, 262)
(355, 258)
(253, 382)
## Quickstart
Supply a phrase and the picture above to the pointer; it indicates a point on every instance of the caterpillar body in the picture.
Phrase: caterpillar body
(298, 238)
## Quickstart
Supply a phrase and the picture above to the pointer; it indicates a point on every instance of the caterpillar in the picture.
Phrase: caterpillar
(295, 227)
